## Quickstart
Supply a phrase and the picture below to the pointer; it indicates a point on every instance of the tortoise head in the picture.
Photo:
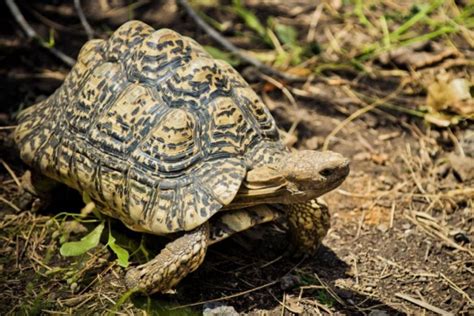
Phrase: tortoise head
(314, 172)
(297, 177)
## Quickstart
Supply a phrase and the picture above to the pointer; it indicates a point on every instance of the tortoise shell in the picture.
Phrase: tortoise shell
(157, 132)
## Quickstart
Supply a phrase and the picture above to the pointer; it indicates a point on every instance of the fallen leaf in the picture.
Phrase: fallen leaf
(452, 94)
(379, 159)
(418, 55)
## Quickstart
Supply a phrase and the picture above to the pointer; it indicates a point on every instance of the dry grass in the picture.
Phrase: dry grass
(402, 224)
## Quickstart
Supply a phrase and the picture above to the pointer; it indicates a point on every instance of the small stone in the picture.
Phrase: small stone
(289, 281)
(221, 310)
(377, 312)
(382, 227)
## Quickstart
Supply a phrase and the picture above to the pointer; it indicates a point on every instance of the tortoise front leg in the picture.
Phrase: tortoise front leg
(179, 258)
(309, 223)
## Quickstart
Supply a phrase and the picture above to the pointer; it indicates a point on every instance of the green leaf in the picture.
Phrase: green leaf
(50, 43)
(286, 33)
(76, 248)
(251, 20)
(122, 254)
(220, 54)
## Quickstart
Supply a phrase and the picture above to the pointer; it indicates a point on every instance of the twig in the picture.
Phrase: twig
(239, 293)
(432, 228)
(392, 214)
(457, 288)
(283, 304)
(101, 274)
(13, 206)
(356, 114)
(423, 304)
(82, 17)
(27, 240)
(330, 291)
(31, 33)
(361, 223)
(12, 174)
(319, 305)
(228, 296)
(234, 49)
(4, 128)
(314, 22)
(290, 98)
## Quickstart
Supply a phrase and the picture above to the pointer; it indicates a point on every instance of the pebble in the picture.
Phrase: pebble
(221, 310)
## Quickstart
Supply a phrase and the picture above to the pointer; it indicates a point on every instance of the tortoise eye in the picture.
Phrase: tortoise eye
(326, 172)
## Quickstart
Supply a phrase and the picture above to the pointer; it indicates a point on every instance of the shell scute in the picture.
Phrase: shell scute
(172, 143)
(96, 96)
(125, 38)
(258, 112)
(127, 122)
(195, 84)
(158, 133)
(228, 128)
(112, 183)
(159, 55)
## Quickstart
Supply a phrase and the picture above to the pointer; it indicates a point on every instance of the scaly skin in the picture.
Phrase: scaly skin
(173, 263)
(309, 223)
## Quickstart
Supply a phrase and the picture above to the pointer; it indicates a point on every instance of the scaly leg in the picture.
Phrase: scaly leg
(36, 191)
(179, 258)
(309, 223)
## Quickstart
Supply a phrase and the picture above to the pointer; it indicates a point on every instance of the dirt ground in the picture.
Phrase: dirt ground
(377, 90)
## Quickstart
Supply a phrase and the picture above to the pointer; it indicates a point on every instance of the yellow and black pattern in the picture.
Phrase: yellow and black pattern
(309, 223)
(157, 132)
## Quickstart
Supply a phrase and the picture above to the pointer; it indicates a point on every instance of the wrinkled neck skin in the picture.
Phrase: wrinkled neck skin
(298, 177)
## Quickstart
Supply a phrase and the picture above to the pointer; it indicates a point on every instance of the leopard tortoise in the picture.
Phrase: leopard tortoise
(173, 142)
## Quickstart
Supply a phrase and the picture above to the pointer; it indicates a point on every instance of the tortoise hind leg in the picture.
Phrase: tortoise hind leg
(36, 191)
(309, 223)
(179, 258)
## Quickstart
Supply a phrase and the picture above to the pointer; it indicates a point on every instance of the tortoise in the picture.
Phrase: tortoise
(173, 142)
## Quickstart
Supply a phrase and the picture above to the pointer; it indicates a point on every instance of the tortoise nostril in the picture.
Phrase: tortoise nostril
(326, 172)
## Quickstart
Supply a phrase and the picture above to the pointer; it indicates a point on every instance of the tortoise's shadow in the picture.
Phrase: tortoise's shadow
(248, 271)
